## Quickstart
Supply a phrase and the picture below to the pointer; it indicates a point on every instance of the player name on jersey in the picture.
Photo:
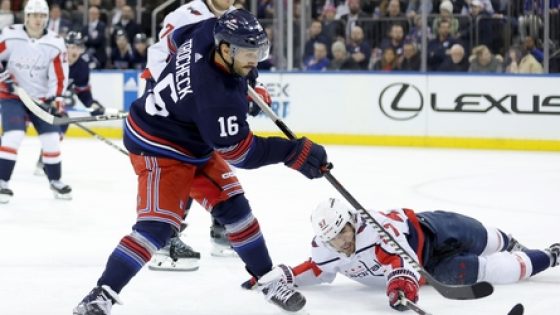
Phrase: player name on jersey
(183, 69)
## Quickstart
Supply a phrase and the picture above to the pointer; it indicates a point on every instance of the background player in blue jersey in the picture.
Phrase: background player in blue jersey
(181, 135)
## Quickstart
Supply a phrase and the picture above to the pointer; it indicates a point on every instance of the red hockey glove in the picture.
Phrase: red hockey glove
(404, 281)
(308, 158)
(7, 82)
(254, 109)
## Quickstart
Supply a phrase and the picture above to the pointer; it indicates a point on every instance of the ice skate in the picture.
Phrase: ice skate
(61, 190)
(554, 253)
(514, 245)
(5, 192)
(279, 290)
(175, 256)
(220, 243)
(39, 171)
(98, 302)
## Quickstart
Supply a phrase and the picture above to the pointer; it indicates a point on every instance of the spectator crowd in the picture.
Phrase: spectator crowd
(368, 35)
(462, 35)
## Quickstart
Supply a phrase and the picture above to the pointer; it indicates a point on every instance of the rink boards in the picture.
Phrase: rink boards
(466, 111)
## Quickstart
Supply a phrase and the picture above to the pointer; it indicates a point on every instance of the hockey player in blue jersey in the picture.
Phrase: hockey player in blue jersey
(181, 135)
(78, 83)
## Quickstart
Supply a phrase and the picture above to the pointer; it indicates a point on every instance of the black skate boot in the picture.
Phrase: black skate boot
(554, 253)
(279, 290)
(98, 302)
(5, 192)
(61, 190)
(178, 249)
(220, 242)
(514, 245)
(175, 256)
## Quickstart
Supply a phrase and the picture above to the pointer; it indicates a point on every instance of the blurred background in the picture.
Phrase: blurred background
(497, 36)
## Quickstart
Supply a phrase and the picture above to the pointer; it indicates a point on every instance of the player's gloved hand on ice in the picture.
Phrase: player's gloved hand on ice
(54, 105)
(7, 82)
(254, 108)
(405, 282)
(97, 109)
(308, 158)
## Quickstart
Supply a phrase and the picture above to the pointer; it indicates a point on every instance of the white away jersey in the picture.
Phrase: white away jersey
(190, 13)
(40, 66)
(372, 261)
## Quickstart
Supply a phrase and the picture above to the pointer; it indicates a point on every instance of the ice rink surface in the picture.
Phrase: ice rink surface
(53, 251)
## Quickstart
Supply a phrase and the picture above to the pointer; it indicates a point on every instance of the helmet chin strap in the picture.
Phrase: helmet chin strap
(229, 65)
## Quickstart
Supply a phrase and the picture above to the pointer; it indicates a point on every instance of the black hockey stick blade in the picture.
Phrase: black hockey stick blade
(518, 309)
(459, 292)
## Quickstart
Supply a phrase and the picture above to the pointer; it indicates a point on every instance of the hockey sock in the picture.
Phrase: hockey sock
(244, 234)
(497, 241)
(53, 171)
(504, 267)
(6, 168)
(50, 143)
(539, 259)
(133, 252)
(11, 140)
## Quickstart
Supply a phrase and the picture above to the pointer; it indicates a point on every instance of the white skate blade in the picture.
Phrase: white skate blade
(5, 198)
(62, 196)
(166, 263)
(222, 251)
(39, 172)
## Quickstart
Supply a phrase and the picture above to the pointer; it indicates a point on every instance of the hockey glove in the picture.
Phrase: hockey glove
(404, 281)
(254, 108)
(55, 106)
(7, 82)
(308, 158)
(97, 109)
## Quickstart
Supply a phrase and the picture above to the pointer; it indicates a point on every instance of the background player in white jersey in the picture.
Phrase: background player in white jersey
(36, 59)
(454, 248)
(177, 255)
(78, 84)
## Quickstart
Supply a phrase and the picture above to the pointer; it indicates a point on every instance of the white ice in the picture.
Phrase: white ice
(53, 251)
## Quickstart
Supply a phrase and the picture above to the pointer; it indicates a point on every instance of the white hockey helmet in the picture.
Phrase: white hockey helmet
(36, 6)
(330, 217)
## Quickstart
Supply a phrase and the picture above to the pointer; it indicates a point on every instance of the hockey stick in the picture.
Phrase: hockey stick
(37, 109)
(100, 137)
(518, 309)
(411, 305)
(456, 292)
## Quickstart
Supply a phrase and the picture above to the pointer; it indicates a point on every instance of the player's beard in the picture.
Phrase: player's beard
(242, 71)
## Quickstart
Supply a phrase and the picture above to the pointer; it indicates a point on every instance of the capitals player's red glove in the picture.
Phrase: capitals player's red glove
(402, 280)
(254, 109)
(7, 82)
(308, 158)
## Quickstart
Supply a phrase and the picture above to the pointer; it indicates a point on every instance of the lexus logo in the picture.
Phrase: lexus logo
(401, 101)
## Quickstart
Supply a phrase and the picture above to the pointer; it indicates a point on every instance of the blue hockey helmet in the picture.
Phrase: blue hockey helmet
(241, 30)
(74, 38)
